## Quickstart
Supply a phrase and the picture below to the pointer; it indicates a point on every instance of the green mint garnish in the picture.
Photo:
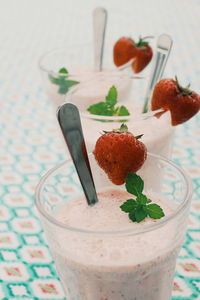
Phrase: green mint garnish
(138, 209)
(63, 83)
(101, 109)
(129, 205)
(111, 98)
(134, 184)
(121, 111)
(108, 108)
(63, 71)
(154, 211)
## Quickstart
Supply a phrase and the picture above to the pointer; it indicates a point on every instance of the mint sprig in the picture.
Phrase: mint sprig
(63, 83)
(109, 108)
(138, 209)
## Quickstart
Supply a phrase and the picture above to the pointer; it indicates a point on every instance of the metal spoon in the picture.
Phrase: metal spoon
(70, 124)
(99, 27)
(164, 45)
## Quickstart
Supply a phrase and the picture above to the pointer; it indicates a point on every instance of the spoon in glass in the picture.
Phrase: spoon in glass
(69, 120)
(99, 28)
(164, 45)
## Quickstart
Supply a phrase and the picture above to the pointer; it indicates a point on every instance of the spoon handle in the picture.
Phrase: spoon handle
(99, 26)
(164, 45)
(70, 123)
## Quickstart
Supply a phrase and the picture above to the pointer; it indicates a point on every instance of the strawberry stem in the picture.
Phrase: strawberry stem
(122, 129)
(184, 90)
(142, 42)
(139, 136)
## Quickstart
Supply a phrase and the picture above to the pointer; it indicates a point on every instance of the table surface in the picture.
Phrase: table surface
(30, 145)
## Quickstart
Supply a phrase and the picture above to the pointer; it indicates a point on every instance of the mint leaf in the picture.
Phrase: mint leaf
(64, 85)
(131, 216)
(70, 83)
(154, 211)
(134, 184)
(111, 98)
(63, 90)
(63, 71)
(53, 79)
(101, 109)
(59, 80)
(140, 214)
(140, 208)
(142, 199)
(129, 205)
(121, 111)
(108, 108)
(62, 81)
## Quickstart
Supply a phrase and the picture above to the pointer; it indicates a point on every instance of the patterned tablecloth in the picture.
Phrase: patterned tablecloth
(29, 143)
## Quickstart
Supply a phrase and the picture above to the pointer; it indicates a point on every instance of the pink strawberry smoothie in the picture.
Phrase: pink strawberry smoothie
(93, 86)
(138, 265)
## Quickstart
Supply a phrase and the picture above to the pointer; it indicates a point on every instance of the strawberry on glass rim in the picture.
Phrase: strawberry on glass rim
(126, 48)
(182, 103)
(119, 152)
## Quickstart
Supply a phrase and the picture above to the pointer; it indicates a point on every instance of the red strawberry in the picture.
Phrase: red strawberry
(123, 51)
(182, 102)
(126, 49)
(118, 153)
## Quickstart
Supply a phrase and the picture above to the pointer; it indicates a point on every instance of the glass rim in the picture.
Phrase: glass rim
(135, 117)
(53, 50)
(59, 49)
(149, 227)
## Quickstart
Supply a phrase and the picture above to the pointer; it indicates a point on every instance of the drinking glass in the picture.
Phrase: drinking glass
(136, 262)
(157, 133)
(78, 60)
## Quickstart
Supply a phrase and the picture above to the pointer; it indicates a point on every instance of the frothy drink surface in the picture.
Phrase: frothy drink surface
(106, 215)
(114, 266)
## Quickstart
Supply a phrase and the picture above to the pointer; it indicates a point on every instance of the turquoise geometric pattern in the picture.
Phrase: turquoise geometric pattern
(30, 143)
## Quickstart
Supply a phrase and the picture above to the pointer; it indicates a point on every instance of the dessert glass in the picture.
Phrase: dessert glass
(120, 264)
(157, 133)
(79, 62)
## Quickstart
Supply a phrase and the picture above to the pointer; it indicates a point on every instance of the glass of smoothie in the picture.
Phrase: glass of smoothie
(99, 252)
(62, 69)
(157, 133)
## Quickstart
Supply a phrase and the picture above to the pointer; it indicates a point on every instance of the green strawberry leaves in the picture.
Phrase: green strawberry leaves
(63, 83)
(142, 43)
(138, 209)
(109, 108)
(184, 91)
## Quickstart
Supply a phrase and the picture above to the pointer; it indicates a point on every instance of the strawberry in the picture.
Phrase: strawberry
(118, 152)
(126, 49)
(183, 103)
(123, 51)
